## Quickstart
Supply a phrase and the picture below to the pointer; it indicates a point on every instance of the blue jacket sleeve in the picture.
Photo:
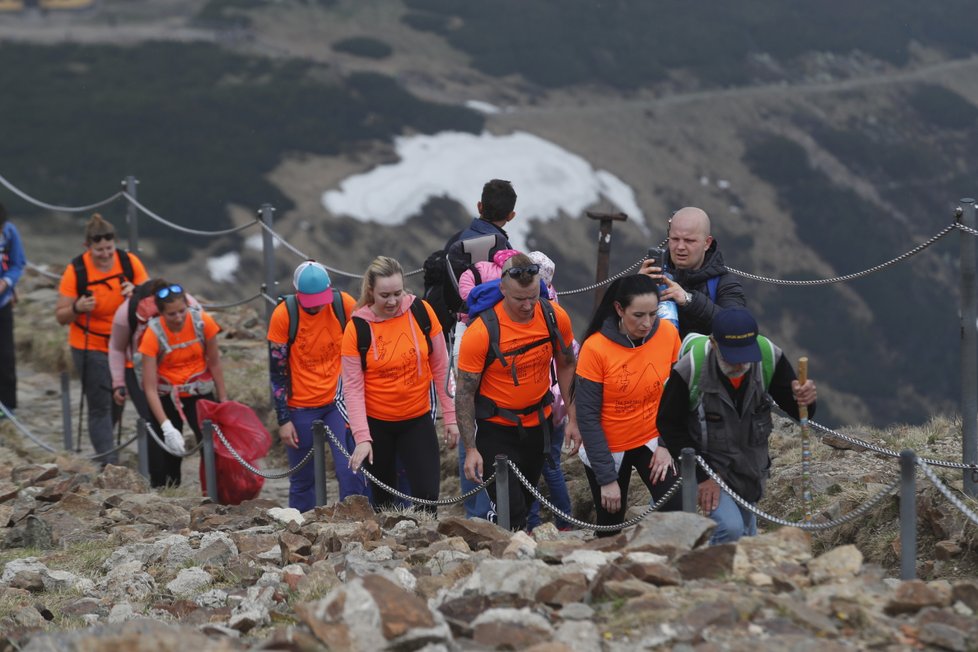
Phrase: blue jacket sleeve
(15, 258)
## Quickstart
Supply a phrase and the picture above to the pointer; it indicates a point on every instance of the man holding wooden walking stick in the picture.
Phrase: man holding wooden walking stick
(718, 401)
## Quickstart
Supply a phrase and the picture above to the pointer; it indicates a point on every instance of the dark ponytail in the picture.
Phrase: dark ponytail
(622, 291)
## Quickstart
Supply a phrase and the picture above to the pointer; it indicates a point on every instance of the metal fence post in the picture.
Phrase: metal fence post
(142, 447)
(268, 257)
(688, 470)
(132, 215)
(908, 515)
(607, 221)
(210, 464)
(502, 492)
(66, 409)
(319, 460)
(969, 345)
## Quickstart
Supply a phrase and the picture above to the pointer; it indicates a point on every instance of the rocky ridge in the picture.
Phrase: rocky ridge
(96, 560)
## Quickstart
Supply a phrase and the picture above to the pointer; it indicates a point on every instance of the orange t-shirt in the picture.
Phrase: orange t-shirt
(396, 383)
(314, 357)
(632, 380)
(106, 287)
(532, 366)
(180, 365)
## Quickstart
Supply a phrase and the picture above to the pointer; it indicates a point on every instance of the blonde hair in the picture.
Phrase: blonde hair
(380, 267)
(97, 225)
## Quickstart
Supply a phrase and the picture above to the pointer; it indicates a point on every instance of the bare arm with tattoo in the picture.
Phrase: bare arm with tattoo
(465, 391)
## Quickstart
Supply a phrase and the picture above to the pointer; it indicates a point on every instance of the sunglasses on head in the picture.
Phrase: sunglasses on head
(530, 270)
(169, 291)
(103, 236)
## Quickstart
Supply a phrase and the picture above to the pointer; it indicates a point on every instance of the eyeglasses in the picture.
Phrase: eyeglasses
(168, 291)
(529, 270)
(103, 236)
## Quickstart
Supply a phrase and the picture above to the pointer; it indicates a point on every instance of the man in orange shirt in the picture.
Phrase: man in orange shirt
(305, 376)
(503, 397)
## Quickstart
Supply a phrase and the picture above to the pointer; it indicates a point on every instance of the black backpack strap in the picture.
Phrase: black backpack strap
(363, 339)
(126, 263)
(551, 318)
(420, 313)
(81, 274)
(491, 321)
(339, 309)
(292, 309)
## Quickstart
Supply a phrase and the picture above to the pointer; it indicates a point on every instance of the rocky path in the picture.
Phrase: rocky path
(40, 411)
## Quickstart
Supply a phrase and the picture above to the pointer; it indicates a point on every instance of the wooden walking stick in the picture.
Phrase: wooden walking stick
(806, 452)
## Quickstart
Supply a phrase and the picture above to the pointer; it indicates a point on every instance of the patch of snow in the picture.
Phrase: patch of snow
(482, 107)
(222, 268)
(549, 180)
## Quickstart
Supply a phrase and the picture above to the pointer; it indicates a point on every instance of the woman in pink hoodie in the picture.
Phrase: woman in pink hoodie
(388, 371)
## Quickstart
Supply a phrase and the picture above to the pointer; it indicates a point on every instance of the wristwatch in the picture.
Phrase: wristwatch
(689, 297)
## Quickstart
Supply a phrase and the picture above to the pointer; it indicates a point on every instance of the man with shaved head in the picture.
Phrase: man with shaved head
(701, 285)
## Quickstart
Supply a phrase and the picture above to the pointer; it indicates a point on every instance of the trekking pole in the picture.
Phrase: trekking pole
(84, 370)
(142, 447)
(806, 450)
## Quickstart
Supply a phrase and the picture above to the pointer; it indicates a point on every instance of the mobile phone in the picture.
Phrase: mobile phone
(657, 255)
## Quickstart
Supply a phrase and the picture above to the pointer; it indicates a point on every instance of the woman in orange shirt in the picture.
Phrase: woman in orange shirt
(92, 287)
(388, 387)
(626, 357)
(181, 365)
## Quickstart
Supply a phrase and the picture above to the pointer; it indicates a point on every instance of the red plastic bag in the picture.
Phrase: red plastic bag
(248, 436)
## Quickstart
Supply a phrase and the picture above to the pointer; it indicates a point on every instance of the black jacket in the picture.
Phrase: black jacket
(697, 317)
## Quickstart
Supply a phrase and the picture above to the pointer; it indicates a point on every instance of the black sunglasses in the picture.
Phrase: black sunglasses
(171, 290)
(530, 270)
(103, 236)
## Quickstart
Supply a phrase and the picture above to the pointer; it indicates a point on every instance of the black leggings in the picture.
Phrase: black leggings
(415, 443)
(164, 468)
(639, 459)
(525, 452)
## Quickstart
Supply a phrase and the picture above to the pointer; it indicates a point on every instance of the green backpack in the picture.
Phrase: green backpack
(698, 346)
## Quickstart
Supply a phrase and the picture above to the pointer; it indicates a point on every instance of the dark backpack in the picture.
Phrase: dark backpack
(445, 267)
(81, 272)
(364, 336)
(292, 309)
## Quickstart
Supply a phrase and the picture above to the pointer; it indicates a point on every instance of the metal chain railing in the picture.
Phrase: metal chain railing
(52, 207)
(849, 277)
(132, 200)
(610, 279)
(234, 304)
(803, 525)
(941, 487)
(584, 524)
(23, 429)
(43, 272)
(162, 444)
(399, 494)
(268, 476)
(966, 229)
(889, 452)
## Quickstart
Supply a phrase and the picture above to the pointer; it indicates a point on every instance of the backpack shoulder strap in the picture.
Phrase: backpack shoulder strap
(339, 309)
(711, 287)
(292, 311)
(197, 319)
(81, 274)
(126, 262)
(363, 339)
(156, 326)
(551, 318)
(696, 346)
(420, 313)
(491, 321)
(768, 359)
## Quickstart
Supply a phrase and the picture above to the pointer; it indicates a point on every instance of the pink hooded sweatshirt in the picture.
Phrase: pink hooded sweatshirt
(353, 384)
(488, 271)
